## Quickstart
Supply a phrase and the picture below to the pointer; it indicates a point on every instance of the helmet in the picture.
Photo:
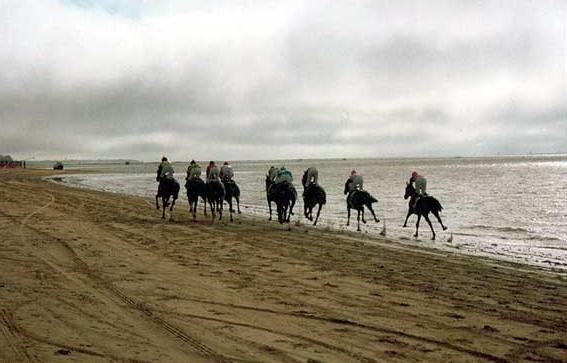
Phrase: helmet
(353, 172)
(414, 174)
(211, 162)
(163, 158)
(225, 163)
(192, 162)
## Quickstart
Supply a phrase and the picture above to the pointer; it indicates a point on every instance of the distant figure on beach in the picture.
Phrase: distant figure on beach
(311, 176)
(313, 194)
(168, 186)
(354, 182)
(226, 173)
(193, 170)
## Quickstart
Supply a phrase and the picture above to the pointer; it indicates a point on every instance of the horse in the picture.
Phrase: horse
(215, 196)
(357, 199)
(313, 194)
(232, 191)
(167, 188)
(196, 188)
(284, 195)
(423, 206)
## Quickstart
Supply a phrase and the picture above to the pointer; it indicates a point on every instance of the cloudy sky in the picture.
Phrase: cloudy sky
(214, 79)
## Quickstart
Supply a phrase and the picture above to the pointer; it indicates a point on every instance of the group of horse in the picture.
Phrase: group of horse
(284, 195)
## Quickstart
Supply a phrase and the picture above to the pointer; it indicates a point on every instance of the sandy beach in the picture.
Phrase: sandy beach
(87, 276)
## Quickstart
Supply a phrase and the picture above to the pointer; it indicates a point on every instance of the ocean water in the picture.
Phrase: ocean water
(511, 208)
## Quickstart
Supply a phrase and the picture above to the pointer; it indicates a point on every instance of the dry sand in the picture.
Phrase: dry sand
(91, 276)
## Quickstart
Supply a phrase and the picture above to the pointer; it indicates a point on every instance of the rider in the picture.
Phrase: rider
(354, 182)
(193, 170)
(213, 172)
(164, 173)
(311, 176)
(283, 176)
(226, 173)
(420, 184)
(272, 173)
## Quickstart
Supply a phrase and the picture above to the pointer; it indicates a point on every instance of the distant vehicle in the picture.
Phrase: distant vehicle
(127, 162)
(58, 166)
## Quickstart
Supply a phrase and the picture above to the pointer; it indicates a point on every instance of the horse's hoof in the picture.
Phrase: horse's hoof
(415, 235)
(433, 238)
(364, 221)
(444, 228)
(377, 220)
(239, 212)
(404, 226)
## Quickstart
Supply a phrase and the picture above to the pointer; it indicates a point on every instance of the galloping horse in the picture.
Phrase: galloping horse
(196, 188)
(167, 188)
(357, 199)
(423, 206)
(215, 197)
(284, 195)
(232, 191)
(313, 194)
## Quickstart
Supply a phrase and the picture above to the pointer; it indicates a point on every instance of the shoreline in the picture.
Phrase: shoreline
(370, 235)
(97, 276)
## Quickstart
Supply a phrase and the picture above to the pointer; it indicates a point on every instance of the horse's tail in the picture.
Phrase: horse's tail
(435, 205)
(370, 199)
(176, 188)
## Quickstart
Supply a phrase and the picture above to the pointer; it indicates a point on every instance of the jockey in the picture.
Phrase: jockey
(420, 184)
(213, 173)
(311, 176)
(283, 175)
(193, 170)
(165, 170)
(272, 173)
(354, 182)
(226, 173)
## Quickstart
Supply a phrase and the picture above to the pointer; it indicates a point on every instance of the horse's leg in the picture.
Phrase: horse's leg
(270, 207)
(430, 226)
(417, 224)
(373, 215)
(358, 221)
(164, 205)
(305, 210)
(409, 214)
(348, 215)
(219, 208)
(362, 213)
(238, 205)
(318, 212)
(436, 214)
(157, 203)
(211, 205)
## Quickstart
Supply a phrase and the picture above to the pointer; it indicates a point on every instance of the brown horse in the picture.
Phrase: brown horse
(422, 207)
(167, 188)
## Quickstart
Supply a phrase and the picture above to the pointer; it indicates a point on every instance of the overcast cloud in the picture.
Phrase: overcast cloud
(281, 79)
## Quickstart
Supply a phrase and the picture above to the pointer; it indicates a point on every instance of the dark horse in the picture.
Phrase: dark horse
(357, 199)
(313, 195)
(284, 195)
(196, 188)
(232, 191)
(167, 188)
(215, 197)
(423, 206)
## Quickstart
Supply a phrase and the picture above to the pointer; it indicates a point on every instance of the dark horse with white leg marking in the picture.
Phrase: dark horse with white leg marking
(284, 195)
(313, 195)
(167, 188)
(196, 188)
(357, 199)
(232, 191)
(215, 197)
(423, 206)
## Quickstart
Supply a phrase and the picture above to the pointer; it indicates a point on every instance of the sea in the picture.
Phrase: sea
(512, 208)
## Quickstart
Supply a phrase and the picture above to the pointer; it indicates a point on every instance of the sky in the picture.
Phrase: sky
(234, 80)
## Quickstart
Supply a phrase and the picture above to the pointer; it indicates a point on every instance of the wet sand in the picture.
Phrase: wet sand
(87, 276)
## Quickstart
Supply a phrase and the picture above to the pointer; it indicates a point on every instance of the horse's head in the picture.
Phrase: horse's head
(304, 178)
(410, 191)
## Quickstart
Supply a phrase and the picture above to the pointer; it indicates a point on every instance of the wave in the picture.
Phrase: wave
(497, 228)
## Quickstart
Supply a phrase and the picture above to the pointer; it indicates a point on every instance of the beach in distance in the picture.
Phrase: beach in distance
(93, 276)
